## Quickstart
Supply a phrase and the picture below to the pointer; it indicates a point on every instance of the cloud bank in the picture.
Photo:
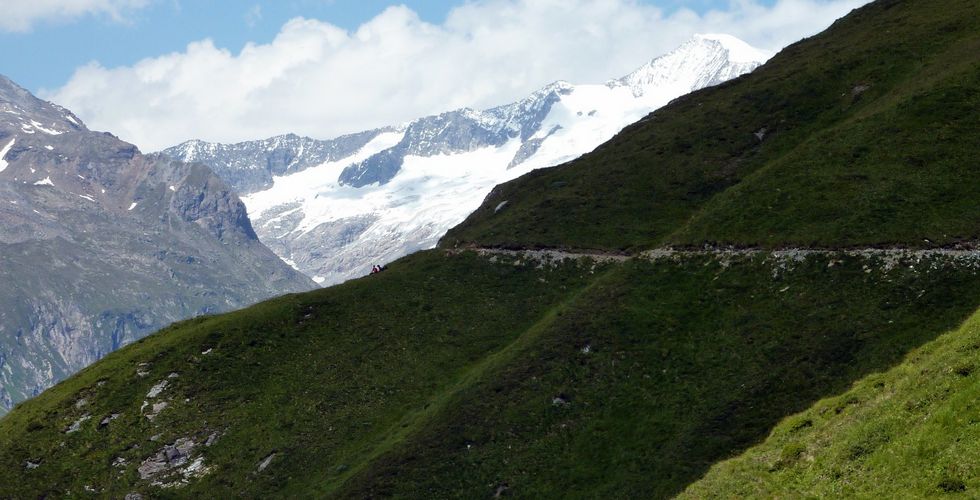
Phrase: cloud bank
(319, 80)
(21, 15)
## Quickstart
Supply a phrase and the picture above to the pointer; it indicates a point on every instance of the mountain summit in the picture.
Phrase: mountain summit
(20, 111)
(334, 208)
(100, 245)
(703, 61)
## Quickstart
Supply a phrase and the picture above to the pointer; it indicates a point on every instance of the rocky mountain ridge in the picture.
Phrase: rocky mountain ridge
(281, 155)
(100, 245)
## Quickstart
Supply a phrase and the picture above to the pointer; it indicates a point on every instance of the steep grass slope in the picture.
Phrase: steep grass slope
(862, 135)
(911, 431)
(667, 367)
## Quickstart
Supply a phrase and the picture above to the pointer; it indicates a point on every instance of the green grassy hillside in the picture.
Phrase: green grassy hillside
(868, 136)
(668, 367)
(468, 374)
(458, 376)
(323, 380)
(911, 431)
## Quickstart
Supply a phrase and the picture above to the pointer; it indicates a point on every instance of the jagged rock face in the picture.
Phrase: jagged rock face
(250, 166)
(456, 132)
(100, 245)
(403, 188)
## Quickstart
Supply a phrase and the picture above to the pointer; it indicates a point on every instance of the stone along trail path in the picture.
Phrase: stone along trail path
(967, 254)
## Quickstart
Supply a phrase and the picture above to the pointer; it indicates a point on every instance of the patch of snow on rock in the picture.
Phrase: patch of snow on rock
(3, 154)
(41, 127)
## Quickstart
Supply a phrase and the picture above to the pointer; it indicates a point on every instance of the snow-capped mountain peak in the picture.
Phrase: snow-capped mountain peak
(394, 191)
(703, 61)
(738, 50)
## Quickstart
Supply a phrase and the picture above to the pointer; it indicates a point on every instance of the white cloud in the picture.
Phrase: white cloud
(22, 15)
(319, 80)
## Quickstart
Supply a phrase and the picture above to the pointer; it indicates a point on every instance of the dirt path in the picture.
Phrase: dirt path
(890, 256)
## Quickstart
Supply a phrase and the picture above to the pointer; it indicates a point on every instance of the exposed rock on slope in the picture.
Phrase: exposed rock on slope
(251, 166)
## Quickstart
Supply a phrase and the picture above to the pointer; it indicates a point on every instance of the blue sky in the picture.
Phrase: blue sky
(46, 56)
(159, 72)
